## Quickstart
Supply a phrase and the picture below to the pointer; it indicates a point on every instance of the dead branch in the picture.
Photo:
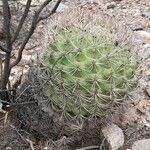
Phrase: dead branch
(6, 71)
(88, 148)
(31, 144)
(52, 11)
(7, 26)
(35, 21)
(8, 65)
(23, 18)
(18, 132)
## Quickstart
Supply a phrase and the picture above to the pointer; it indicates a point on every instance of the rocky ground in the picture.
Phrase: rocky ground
(130, 129)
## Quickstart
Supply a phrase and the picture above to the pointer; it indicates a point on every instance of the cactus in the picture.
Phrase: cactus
(87, 73)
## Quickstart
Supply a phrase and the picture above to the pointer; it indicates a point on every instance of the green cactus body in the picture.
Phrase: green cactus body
(87, 73)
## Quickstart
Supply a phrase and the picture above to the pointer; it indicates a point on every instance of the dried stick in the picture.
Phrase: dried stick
(23, 18)
(31, 144)
(6, 71)
(35, 21)
(52, 11)
(88, 148)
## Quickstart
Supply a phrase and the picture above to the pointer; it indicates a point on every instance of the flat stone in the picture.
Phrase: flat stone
(114, 136)
(141, 145)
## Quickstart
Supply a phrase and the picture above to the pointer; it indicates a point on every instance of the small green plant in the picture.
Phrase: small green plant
(86, 73)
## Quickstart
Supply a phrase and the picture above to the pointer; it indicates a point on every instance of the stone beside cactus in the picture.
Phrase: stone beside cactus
(87, 74)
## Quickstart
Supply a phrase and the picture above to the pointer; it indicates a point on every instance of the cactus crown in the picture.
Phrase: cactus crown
(87, 73)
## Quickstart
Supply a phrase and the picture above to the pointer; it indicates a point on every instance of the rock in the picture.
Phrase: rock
(141, 145)
(26, 59)
(62, 7)
(147, 45)
(8, 148)
(114, 136)
(146, 51)
(144, 34)
(123, 7)
(145, 13)
(137, 12)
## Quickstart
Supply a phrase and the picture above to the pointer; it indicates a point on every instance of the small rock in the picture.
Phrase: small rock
(147, 45)
(141, 145)
(46, 148)
(62, 7)
(135, 12)
(146, 52)
(123, 7)
(114, 136)
(8, 148)
(144, 34)
(145, 13)
(147, 73)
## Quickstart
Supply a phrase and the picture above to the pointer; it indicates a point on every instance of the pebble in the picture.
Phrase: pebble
(141, 145)
(62, 7)
(144, 34)
(114, 136)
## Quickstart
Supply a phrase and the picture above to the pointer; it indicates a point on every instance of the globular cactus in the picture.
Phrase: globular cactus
(87, 74)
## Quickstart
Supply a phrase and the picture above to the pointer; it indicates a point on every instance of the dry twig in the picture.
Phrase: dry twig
(31, 144)
(88, 148)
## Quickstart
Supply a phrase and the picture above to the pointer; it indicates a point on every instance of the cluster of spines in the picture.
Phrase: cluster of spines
(92, 74)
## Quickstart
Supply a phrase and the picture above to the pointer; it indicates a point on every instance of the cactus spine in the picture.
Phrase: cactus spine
(87, 73)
